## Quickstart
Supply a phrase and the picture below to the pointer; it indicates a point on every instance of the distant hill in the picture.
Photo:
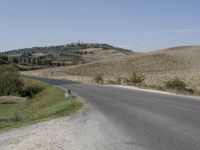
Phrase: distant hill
(157, 66)
(63, 48)
(69, 54)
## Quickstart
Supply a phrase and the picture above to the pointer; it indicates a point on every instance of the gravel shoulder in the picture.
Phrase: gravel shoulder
(87, 130)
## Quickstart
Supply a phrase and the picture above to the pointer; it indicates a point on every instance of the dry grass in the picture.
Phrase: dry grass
(158, 66)
(102, 55)
(11, 99)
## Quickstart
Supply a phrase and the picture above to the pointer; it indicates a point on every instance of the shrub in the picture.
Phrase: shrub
(190, 90)
(110, 82)
(10, 81)
(98, 79)
(31, 88)
(176, 84)
(118, 80)
(134, 79)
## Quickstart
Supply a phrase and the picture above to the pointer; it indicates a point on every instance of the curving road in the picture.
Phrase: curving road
(143, 120)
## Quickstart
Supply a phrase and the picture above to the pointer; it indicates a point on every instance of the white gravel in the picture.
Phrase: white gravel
(88, 130)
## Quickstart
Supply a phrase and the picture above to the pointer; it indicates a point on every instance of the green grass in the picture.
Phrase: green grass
(29, 67)
(50, 102)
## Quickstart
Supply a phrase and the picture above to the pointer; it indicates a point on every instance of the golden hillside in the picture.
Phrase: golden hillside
(157, 66)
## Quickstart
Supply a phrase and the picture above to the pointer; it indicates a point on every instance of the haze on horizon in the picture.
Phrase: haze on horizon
(140, 25)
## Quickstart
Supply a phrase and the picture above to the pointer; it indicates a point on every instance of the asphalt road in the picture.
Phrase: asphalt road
(150, 120)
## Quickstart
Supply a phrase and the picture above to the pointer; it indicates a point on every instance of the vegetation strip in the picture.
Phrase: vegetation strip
(33, 102)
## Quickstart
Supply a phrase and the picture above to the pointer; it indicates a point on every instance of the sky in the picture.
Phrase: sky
(139, 25)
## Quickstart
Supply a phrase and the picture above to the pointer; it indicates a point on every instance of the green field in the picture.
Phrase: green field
(50, 102)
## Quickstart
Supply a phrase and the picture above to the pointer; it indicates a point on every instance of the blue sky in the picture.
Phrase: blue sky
(140, 25)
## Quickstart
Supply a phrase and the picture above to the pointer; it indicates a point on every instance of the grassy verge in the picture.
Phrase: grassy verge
(50, 102)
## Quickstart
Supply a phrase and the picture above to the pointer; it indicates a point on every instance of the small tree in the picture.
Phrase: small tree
(10, 81)
(15, 60)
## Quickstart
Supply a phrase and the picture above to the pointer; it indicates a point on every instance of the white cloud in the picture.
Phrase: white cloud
(184, 30)
(181, 30)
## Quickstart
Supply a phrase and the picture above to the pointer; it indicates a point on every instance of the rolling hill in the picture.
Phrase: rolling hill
(65, 55)
(157, 66)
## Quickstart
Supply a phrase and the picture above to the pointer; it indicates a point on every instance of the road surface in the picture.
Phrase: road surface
(134, 119)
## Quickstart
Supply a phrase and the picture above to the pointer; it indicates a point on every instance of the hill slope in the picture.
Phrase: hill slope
(157, 66)
(69, 54)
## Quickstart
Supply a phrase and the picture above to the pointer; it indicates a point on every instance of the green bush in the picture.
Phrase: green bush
(31, 88)
(134, 78)
(12, 84)
(176, 84)
(99, 79)
(10, 81)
